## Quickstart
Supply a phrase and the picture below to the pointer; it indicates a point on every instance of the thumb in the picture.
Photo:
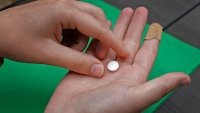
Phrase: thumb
(154, 90)
(76, 61)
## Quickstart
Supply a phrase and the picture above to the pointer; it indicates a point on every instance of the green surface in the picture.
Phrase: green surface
(26, 88)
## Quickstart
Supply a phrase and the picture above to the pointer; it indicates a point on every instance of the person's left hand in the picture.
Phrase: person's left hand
(123, 91)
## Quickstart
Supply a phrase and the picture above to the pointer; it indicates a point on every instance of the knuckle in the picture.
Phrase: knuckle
(166, 88)
(100, 14)
(66, 10)
(64, 4)
(150, 50)
(59, 7)
(100, 11)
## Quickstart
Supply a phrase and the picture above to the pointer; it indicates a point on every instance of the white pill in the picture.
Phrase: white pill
(113, 66)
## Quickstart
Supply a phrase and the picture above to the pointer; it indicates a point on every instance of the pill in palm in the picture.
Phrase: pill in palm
(113, 66)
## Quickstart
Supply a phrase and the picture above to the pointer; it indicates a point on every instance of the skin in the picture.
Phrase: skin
(126, 90)
(35, 32)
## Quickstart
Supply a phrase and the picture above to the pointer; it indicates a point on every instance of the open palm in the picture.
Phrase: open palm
(123, 91)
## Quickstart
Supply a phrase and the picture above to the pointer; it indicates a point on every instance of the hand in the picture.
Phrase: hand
(32, 33)
(123, 91)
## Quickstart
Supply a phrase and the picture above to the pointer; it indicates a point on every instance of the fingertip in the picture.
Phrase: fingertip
(124, 55)
(183, 78)
(125, 52)
(128, 10)
(142, 10)
(97, 70)
(186, 79)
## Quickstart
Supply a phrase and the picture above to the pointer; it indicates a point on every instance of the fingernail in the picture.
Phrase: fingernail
(97, 70)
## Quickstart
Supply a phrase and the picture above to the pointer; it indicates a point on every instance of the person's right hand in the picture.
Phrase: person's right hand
(32, 33)
(126, 90)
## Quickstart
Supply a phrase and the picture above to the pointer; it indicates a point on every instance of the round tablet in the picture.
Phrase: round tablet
(113, 66)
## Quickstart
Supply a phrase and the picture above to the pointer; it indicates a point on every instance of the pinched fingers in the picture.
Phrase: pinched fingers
(90, 26)
(98, 13)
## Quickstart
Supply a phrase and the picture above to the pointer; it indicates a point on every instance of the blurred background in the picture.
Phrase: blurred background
(179, 18)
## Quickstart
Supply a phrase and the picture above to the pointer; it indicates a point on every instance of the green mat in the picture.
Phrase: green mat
(26, 88)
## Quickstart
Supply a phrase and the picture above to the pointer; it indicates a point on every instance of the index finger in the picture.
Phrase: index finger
(90, 26)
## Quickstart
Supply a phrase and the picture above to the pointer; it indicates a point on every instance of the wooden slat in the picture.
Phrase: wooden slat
(162, 11)
(21, 2)
(188, 28)
(6, 3)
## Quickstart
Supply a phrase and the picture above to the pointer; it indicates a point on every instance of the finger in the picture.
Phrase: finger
(94, 11)
(134, 34)
(90, 26)
(79, 62)
(101, 49)
(121, 28)
(154, 90)
(146, 56)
